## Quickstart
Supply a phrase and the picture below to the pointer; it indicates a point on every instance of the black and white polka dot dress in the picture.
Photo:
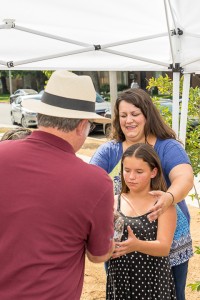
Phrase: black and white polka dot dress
(137, 276)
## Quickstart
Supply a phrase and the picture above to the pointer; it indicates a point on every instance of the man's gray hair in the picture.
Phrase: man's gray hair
(63, 124)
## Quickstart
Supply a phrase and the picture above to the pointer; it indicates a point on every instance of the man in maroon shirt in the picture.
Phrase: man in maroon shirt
(54, 207)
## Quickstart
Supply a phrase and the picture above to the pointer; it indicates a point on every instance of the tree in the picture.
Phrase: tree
(92, 74)
(32, 79)
(3, 75)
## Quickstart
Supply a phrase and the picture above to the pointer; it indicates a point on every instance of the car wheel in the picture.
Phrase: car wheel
(24, 123)
(13, 120)
(108, 130)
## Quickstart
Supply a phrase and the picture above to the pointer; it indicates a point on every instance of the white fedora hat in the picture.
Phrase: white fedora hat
(67, 95)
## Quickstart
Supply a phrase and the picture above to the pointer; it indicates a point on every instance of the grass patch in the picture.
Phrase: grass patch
(3, 129)
(5, 98)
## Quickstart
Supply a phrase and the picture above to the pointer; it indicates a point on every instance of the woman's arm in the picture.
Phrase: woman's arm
(101, 157)
(182, 181)
(159, 247)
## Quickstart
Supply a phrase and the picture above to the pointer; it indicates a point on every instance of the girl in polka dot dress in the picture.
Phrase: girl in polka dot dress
(139, 268)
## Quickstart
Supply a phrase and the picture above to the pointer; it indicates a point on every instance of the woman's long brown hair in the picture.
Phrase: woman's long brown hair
(155, 124)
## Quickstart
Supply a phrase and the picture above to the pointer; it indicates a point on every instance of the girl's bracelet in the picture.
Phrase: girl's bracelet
(172, 197)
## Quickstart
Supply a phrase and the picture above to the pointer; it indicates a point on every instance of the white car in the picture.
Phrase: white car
(22, 116)
(22, 92)
(101, 107)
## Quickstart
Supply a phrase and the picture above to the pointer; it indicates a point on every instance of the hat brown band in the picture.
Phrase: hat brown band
(68, 103)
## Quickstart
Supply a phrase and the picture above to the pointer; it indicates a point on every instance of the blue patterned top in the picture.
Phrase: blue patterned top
(171, 153)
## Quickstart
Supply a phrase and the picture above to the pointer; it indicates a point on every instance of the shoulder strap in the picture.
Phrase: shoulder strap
(119, 203)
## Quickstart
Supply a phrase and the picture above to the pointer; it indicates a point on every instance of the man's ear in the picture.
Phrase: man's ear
(81, 127)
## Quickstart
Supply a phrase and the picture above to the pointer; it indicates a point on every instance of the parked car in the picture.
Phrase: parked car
(22, 92)
(101, 107)
(22, 116)
(26, 118)
(107, 126)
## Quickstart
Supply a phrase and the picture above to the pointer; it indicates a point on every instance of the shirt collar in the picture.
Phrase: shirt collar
(52, 140)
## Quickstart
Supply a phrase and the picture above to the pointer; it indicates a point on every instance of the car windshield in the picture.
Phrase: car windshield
(34, 97)
(99, 99)
(30, 91)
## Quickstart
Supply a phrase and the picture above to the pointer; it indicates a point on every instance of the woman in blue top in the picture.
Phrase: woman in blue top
(137, 120)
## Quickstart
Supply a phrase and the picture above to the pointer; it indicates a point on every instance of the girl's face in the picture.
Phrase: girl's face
(137, 174)
(132, 121)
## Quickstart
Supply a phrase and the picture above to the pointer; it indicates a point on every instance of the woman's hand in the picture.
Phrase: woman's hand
(164, 200)
(122, 248)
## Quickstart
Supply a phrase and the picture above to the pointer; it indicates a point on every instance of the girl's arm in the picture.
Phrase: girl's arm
(160, 247)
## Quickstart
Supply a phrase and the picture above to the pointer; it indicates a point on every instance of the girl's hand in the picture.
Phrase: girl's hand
(122, 248)
(164, 200)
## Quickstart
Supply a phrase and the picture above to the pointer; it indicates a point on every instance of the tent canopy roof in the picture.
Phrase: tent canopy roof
(100, 35)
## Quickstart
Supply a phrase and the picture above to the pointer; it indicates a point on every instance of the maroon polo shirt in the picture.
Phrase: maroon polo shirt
(52, 206)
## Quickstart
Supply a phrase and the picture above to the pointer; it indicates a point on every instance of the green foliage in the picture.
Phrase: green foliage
(48, 73)
(165, 112)
(105, 88)
(122, 87)
(197, 251)
(195, 286)
(165, 86)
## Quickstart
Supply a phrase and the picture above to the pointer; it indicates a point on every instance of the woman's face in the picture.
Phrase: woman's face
(132, 122)
(137, 174)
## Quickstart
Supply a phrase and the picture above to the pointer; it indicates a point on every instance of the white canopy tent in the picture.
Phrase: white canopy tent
(108, 35)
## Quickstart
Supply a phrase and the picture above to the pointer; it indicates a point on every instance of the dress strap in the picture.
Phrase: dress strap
(119, 203)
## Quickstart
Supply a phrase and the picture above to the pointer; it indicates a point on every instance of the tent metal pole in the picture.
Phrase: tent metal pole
(175, 106)
(136, 57)
(51, 36)
(169, 33)
(26, 61)
(10, 81)
(88, 49)
(113, 89)
(172, 14)
(175, 46)
(184, 108)
(190, 61)
(142, 38)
